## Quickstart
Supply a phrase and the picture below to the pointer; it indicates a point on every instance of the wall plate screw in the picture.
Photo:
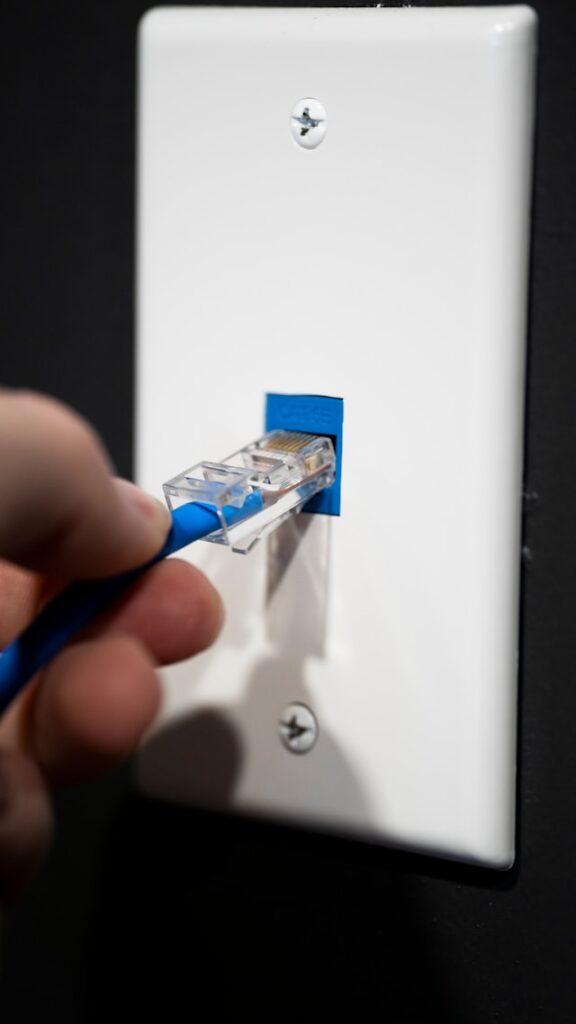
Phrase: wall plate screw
(308, 123)
(298, 728)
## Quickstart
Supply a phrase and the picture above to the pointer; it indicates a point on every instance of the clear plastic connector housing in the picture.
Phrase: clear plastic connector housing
(269, 480)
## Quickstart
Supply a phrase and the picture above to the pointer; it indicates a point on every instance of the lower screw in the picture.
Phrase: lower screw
(298, 728)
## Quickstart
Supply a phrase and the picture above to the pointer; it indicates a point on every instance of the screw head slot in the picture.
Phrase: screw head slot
(308, 123)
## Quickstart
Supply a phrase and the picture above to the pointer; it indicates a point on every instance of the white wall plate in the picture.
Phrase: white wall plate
(386, 266)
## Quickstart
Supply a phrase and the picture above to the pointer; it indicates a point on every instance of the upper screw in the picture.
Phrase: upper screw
(308, 123)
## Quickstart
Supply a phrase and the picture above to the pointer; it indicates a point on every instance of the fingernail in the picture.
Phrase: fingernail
(150, 509)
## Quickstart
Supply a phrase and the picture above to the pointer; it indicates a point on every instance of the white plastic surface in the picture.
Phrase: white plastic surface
(387, 266)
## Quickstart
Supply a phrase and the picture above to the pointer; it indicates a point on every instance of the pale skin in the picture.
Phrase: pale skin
(64, 516)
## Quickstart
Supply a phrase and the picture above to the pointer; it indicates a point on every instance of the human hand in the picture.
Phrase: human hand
(64, 517)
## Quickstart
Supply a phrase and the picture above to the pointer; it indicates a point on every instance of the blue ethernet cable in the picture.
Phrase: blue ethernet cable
(76, 606)
(260, 485)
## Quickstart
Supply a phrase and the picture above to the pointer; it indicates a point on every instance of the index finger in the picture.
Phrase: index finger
(61, 511)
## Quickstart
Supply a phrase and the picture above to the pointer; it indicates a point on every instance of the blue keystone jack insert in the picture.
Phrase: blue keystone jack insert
(312, 414)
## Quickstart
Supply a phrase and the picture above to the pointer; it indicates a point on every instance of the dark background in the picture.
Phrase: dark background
(144, 907)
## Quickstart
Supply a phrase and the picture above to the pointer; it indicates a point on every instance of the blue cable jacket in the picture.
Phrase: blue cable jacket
(76, 606)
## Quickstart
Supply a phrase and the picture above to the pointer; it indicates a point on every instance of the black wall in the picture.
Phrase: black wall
(150, 907)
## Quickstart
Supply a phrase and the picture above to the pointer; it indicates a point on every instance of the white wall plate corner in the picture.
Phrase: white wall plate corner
(386, 265)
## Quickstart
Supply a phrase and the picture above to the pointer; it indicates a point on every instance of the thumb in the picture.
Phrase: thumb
(61, 511)
(26, 823)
